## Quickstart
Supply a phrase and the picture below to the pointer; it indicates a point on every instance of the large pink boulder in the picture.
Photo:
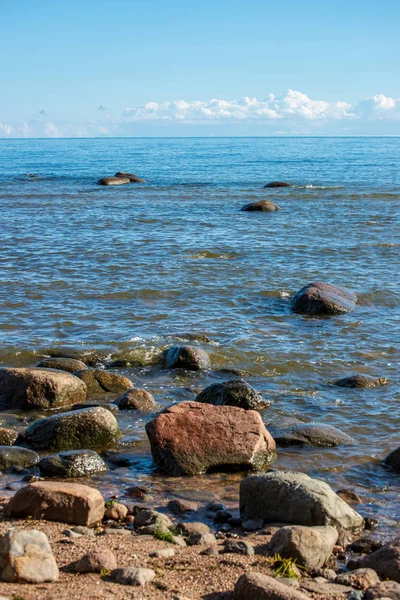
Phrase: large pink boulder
(191, 438)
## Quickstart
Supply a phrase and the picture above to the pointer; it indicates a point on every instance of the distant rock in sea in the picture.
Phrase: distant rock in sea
(277, 184)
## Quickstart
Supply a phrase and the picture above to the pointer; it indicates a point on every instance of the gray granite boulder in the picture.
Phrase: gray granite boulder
(186, 357)
(310, 547)
(323, 299)
(313, 434)
(235, 392)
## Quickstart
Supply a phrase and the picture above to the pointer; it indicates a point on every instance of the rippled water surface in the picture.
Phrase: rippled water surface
(130, 269)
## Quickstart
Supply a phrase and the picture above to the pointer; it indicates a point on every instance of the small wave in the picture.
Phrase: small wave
(310, 186)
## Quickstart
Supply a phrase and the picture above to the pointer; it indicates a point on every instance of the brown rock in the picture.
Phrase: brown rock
(257, 586)
(113, 181)
(190, 438)
(96, 561)
(116, 511)
(136, 399)
(99, 381)
(57, 501)
(360, 579)
(383, 591)
(39, 388)
(361, 381)
(349, 496)
(8, 437)
(131, 176)
(186, 357)
(26, 557)
(187, 528)
(62, 364)
(385, 561)
(261, 206)
(323, 299)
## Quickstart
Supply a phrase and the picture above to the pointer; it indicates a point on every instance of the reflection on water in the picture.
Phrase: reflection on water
(121, 271)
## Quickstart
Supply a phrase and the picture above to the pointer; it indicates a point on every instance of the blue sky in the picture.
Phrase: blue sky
(172, 67)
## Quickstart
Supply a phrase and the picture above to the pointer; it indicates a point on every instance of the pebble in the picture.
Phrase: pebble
(165, 553)
(196, 539)
(133, 576)
(240, 547)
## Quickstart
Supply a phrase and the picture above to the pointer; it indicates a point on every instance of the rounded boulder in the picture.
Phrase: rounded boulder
(100, 381)
(235, 392)
(261, 206)
(323, 299)
(186, 357)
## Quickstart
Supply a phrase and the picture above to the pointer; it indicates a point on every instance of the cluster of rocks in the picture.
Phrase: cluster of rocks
(120, 178)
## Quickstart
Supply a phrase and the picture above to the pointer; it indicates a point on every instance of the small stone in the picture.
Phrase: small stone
(197, 539)
(371, 523)
(164, 553)
(16, 456)
(26, 557)
(133, 576)
(71, 534)
(63, 364)
(310, 547)
(137, 491)
(113, 180)
(193, 527)
(116, 511)
(277, 184)
(96, 561)
(214, 506)
(146, 518)
(100, 381)
(238, 547)
(211, 551)
(253, 524)
(383, 591)
(349, 496)
(186, 357)
(181, 507)
(365, 545)
(234, 392)
(8, 437)
(136, 399)
(360, 579)
(235, 521)
(117, 531)
(222, 516)
(385, 561)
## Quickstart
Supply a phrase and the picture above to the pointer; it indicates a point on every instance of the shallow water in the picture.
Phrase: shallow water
(125, 269)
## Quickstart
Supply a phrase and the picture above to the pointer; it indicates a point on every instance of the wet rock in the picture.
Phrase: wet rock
(151, 518)
(214, 506)
(16, 456)
(385, 561)
(349, 496)
(310, 547)
(323, 299)
(371, 523)
(257, 586)
(136, 399)
(99, 381)
(197, 539)
(238, 547)
(73, 463)
(253, 524)
(62, 364)
(383, 591)
(361, 381)
(39, 388)
(137, 491)
(190, 438)
(113, 180)
(393, 460)
(57, 501)
(181, 507)
(186, 357)
(26, 557)
(88, 357)
(165, 553)
(8, 437)
(235, 392)
(113, 408)
(277, 184)
(365, 545)
(222, 516)
(133, 576)
(238, 522)
(193, 337)
(360, 579)
(261, 206)
(97, 560)
(131, 176)
(295, 498)
(190, 527)
(116, 511)
(79, 429)
(313, 434)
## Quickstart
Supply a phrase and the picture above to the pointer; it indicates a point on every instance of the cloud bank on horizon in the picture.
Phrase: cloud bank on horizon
(291, 113)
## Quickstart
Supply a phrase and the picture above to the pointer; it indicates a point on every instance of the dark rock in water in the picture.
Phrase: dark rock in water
(113, 181)
(235, 392)
(16, 456)
(108, 405)
(186, 357)
(295, 498)
(99, 381)
(181, 507)
(90, 358)
(191, 438)
(361, 381)
(8, 437)
(365, 545)
(73, 463)
(277, 184)
(313, 434)
(78, 429)
(136, 399)
(393, 460)
(63, 364)
(240, 373)
(385, 561)
(349, 496)
(323, 299)
(131, 176)
(261, 206)
(39, 388)
(193, 337)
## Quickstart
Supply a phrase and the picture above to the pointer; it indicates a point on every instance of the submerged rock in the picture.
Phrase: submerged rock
(16, 456)
(73, 463)
(190, 438)
(88, 357)
(8, 437)
(63, 364)
(39, 388)
(314, 434)
(261, 206)
(113, 180)
(393, 460)
(310, 547)
(99, 381)
(131, 176)
(323, 299)
(295, 498)
(136, 399)
(235, 392)
(186, 357)
(78, 429)
(277, 184)
(57, 501)
(26, 557)
(361, 381)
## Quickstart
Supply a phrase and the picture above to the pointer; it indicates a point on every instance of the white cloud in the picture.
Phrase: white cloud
(379, 107)
(52, 130)
(6, 129)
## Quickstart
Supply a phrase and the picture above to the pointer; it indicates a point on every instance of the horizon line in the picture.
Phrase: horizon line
(206, 137)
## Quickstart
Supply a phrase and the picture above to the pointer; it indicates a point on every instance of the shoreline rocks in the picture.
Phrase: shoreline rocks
(190, 438)
(310, 547)
(26, 557)
(72, 464)
(30, 388)
(324, 299)
(136, 399)
(62, 364)
(75, 430)
(186, 357)
(360, 381)
(100, 381)
(312, 434)
(16, 456)
(234, 392)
